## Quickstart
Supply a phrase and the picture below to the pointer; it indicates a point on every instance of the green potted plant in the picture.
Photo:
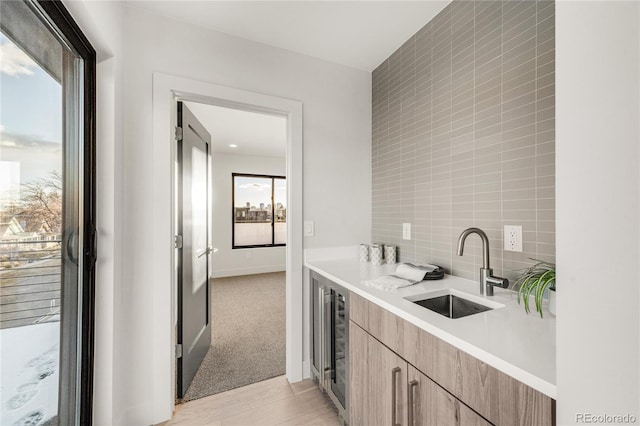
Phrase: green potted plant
(535, 280)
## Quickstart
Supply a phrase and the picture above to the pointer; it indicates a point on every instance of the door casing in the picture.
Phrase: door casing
(167, 90)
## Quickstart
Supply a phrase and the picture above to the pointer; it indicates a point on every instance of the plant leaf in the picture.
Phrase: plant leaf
(541, 285)
(535, 280)
(530, 289)
(522, 290)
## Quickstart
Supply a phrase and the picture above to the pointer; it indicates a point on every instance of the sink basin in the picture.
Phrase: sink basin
(453, 304)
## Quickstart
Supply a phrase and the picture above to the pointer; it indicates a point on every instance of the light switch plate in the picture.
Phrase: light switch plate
(513, 238)
(309, 228)
(406, 231)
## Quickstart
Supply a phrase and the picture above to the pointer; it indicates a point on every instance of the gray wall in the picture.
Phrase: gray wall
(464, 135)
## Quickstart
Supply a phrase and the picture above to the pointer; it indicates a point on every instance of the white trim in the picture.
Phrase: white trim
(166, 89)
(306, 369)
(221, 273)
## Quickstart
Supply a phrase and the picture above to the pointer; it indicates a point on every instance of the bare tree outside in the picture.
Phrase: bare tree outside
(30, 244)
(41, 202)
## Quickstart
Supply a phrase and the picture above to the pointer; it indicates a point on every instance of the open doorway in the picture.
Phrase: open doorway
(248, 235)
(167, 90)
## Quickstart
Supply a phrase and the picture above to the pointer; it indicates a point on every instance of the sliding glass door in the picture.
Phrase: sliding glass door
(47, 232)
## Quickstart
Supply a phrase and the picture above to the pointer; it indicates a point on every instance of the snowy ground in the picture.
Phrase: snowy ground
(29, 358)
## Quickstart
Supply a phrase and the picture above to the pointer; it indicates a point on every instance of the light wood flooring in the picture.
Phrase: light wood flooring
(270, 402)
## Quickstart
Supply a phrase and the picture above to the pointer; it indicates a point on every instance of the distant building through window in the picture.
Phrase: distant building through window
(259, 210)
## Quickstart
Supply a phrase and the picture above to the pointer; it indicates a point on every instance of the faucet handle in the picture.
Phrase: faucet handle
(488, 281)
(491, 282)
(497, 282)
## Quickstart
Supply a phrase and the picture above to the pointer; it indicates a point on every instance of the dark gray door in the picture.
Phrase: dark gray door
(194, 324)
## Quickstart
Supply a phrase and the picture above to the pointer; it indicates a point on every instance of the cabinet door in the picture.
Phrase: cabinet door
(378, 382)
(496, 396)
(359, 376)
(429, 404)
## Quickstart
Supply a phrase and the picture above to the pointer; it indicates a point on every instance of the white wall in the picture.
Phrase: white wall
(598, 212)
(102, 23)
(228, 262)
(337, 106)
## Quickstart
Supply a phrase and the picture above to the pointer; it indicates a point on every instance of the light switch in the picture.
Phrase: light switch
(406, 231)
(308, 228)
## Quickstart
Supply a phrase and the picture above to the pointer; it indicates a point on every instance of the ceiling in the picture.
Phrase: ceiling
(254, 133)
(358, 34)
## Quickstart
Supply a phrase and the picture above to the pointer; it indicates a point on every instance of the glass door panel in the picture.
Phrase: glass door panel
(42, 217)
(31, 224)
(339, 326)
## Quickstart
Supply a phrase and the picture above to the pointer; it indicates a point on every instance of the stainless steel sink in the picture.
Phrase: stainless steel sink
(453, 304)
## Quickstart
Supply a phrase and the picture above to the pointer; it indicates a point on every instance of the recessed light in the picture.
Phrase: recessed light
(233, 145)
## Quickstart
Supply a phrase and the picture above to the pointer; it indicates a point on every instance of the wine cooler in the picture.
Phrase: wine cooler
(330, 351)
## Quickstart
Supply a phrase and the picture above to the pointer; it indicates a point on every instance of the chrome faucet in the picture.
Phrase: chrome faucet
(487, 280)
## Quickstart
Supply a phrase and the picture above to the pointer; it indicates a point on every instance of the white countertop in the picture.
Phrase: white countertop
(520, 345)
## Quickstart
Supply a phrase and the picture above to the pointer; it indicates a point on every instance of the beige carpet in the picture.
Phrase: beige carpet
(248, 334)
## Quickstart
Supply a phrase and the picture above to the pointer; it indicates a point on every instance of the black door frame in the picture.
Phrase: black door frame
(63, 21)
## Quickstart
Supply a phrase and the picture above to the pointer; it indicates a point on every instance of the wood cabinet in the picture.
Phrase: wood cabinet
(429, 404)
(378, 382)
(452, 386)
(386, 390)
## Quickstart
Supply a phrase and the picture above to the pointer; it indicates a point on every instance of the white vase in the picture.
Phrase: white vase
(364, 253)
(552, 302)
(390, 253)
(376, 254)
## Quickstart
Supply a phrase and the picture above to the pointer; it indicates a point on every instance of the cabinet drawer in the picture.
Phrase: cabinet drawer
(496, 396)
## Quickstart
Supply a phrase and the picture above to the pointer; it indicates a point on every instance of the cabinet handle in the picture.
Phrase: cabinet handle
(410, 388)
(323, 338)
(394, 372)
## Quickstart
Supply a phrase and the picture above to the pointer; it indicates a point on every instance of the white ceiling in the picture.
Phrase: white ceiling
(358, 34)
(255, 134)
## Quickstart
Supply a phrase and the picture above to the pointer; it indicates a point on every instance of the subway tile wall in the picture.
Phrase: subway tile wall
(464, 135)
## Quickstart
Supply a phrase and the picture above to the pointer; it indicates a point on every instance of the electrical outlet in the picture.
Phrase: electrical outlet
(406, 231)
(513, 238)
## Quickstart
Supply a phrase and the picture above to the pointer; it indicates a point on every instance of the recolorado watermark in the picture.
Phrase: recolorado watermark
(590, 418)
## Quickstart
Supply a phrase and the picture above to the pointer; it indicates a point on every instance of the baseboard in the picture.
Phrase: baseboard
(306, 369)
(221, 273)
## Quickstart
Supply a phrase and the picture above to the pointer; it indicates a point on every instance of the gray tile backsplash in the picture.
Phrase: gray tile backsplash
(464, 135)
